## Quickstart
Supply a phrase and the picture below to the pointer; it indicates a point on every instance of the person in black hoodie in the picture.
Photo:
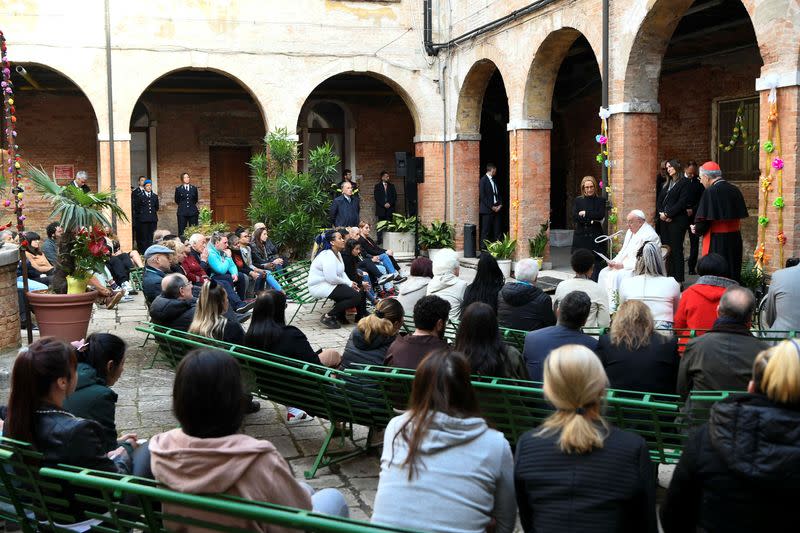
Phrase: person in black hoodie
(523, 305)
(370, 340)
(673, 202)
(741, 470)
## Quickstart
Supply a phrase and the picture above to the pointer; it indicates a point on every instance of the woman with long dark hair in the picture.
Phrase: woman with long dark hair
(442, 468)
(588, 213)
(479, 339)
(673, 201)
(489, 279)
(101, 360)
(44, 375)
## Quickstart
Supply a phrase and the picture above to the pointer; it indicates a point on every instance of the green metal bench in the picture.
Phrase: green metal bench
(136, 277)
(37, 500)
(294, 281)
(318, 390)
(514, 407)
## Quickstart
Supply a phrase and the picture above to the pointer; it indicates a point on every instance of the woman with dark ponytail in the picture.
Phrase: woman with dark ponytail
(101, 360)
(42, 378)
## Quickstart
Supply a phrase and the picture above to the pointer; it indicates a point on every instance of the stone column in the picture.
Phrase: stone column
(122, 173)
(9, 308)
(529, 144)
(633, 143)
(788, 103)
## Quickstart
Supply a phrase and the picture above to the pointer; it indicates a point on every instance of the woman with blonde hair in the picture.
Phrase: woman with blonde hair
(209, 316)
(741, 470)
(567, 462)
(374, 333)
(634, 356)
(651, 285)
(588, 213)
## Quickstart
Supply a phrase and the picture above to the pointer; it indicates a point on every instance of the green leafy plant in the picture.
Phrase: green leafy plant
(438, 235)
(83, 215)
(399, 223)
(538, 244)
(293, 205)
(752, 277)
(502, 249)
(205, 224)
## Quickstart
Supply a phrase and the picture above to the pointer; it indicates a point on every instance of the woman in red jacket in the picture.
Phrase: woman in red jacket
(697, 309)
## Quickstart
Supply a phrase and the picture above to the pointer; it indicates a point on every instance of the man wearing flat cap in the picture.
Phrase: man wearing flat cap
(718, 217)
(157, 265)
(146, 210)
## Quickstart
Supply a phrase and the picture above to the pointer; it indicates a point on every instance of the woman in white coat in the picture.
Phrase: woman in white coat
(326, 279)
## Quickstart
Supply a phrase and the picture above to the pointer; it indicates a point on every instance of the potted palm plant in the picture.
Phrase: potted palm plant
(438, 236)
(538, 244)
(502, 250)
(65, 310)
(399, 235)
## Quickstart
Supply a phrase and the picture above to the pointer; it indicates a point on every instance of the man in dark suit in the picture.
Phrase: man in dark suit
(147, 216)
(490, 206)
(385, 200)
(345, 210)
(696, 190)
(572, 314)
(186, 196)
(80, 180)
(138, 190)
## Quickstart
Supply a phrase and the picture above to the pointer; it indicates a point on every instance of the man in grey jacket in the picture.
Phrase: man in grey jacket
(722, 359)
(782, 310)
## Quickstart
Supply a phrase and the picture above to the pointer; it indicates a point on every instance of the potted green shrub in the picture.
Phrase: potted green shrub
(502, 250)
(399, 235)
(65, 310)
(438, 236)
(538, 244)
(206, 225)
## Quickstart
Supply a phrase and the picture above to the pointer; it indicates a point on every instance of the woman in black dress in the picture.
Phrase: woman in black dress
(673, 201)
(588, 213)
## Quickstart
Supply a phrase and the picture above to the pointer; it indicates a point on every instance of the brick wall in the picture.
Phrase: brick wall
(9, 310)
(53, 129)
(187, 126)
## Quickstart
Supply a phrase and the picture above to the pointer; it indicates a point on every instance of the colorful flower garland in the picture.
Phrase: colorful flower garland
(515, 204)
(739, 130)
(603, 157)
(13, 162)
(774, 176)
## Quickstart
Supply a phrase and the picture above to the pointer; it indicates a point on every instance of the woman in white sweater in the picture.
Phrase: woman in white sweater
(326, 279)
(651, 285)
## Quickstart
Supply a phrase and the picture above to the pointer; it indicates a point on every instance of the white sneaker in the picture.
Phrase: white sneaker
(127, 298)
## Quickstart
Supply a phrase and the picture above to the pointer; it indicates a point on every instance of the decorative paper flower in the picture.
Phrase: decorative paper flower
(607, 163)
(602, 139)
(778, 202)
(598, 137)
(769, 147)
(599, 158)
(777, 163)
(515, 204)
(7, 203)
(781, 238)
(612, 218)
(766, 183)
(22, 218)
(763, 221)
(600, 184)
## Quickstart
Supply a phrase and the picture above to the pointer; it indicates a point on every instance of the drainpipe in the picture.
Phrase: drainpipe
(427, 17)
(109, 91)
(604, 97)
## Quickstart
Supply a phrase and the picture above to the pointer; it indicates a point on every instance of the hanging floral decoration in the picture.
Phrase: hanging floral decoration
(773, 180)
(739, 132)
(603, 158)
(515, 203)
(11, 166)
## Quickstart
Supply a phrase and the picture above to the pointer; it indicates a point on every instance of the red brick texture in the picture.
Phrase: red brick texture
(465, 166)
(9, 310)
(432, 192)
(530, 185)
(633, 152)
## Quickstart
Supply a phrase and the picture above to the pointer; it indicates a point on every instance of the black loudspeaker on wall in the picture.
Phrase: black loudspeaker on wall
(412, 169)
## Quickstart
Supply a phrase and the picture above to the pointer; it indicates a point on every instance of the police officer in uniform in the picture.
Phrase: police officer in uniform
(137, 191)
(186, 196)
(147, 216)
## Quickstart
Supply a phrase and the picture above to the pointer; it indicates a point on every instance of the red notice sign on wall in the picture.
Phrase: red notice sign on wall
(63, 174)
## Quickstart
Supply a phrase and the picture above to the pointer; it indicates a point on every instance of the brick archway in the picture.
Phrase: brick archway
(470, 97)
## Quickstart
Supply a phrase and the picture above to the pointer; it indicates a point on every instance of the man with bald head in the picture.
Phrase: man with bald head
(621, 266)
(722, 359)
(174, 307)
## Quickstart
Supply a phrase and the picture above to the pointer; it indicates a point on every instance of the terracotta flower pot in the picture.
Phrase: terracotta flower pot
(64, 316)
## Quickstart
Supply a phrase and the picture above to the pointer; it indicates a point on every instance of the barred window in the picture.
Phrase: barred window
(737, 143)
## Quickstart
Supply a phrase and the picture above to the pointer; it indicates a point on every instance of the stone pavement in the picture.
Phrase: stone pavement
(144, 405)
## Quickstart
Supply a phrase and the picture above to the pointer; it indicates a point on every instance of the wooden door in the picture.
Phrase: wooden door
(230, 184)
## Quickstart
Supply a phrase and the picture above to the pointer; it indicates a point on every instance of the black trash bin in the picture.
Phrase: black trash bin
(469, 240)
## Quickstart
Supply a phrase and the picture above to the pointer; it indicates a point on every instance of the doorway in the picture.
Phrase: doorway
(230, 184)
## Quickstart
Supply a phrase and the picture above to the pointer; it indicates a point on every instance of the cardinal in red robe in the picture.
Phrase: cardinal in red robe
(718, 218)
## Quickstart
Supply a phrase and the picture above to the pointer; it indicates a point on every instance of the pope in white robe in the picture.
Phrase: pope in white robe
(622, 265)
